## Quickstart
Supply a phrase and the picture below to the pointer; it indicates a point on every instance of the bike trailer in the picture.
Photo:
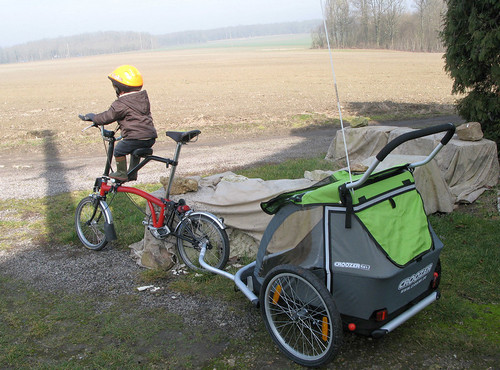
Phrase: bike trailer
(372, 247)
(352, 252)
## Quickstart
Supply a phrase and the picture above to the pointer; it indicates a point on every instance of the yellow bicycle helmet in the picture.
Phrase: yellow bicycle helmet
(126, 78)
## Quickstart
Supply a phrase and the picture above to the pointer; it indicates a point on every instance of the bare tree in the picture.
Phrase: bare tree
(421, 6)
(433, 24)
(430, 14)
(377, 9)
(339, 20)
(382, 23)
(393, 11)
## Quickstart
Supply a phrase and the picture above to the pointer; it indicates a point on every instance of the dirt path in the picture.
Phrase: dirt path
(50, 172)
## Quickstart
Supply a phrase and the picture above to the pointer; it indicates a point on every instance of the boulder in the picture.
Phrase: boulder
(317, 175)
(358, 167)
(361, 142)
(467, 167)
(181, 185)
(470, 131)
(359, 122)
(153, 253)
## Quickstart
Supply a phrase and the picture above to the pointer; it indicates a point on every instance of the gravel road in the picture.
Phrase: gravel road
(39, 174)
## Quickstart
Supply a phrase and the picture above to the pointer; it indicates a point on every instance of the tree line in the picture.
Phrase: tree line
(388, 24)
(116, 42)
(76, 46)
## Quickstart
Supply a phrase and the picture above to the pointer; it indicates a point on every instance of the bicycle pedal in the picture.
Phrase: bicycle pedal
(163, 231)
(160, 232)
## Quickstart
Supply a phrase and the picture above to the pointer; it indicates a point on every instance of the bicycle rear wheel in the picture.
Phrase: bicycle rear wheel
(89, 223)
(300, 315)
(193, 231)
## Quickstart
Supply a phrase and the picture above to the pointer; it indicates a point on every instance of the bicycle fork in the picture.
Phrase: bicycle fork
(109, 227)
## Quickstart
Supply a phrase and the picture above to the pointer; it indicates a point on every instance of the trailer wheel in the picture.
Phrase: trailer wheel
(300, 315)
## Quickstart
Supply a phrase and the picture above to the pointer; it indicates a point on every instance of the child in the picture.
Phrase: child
(132, 111)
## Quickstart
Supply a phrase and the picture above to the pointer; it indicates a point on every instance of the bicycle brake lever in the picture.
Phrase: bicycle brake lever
(86, 128)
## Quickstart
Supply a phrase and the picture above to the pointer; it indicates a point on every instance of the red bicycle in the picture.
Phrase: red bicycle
(193, 230)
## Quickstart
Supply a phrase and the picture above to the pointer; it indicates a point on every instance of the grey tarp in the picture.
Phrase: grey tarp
(467, 167)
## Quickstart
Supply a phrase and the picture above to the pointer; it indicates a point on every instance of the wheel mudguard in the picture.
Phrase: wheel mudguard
(218, 221)
(109, 226)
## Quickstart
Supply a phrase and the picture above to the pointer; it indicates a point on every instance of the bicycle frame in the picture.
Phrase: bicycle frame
(167, 208)
(104, 188)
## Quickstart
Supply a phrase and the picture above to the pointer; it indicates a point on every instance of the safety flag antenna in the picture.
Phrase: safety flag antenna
(336, 90)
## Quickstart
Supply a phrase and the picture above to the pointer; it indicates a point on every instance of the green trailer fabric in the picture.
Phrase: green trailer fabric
(399, 225)
(387, 205)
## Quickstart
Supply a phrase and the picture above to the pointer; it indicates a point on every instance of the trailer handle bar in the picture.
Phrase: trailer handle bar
(393, 144)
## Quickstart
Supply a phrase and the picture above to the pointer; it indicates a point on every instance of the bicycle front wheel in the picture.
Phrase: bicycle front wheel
(193, 231)
(89, 223)
(300, 315)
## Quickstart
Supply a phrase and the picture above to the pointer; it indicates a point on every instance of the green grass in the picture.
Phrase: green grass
(44, 330)
(468, 315)
(51, 219)
(291, 169)
(70, 331)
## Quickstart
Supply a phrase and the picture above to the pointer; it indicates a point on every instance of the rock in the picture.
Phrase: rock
(234, 178)
(358, 167)
(470, 131)
(181, 185)
(242, 244)
(235, 198)
(153, 253)
(317, 175)
(359, 122)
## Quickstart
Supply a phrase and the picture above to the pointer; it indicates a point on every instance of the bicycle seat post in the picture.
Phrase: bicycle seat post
(109, 155)
(174, 166)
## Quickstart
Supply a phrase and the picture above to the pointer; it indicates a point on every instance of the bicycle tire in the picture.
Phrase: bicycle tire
(300, 315)
(90, 230)
(201, 226)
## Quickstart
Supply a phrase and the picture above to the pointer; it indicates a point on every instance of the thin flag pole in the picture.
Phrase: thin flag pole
(336, 89)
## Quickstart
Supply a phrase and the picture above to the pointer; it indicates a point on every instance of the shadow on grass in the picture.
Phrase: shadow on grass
(59, 209)
(398, 109)
(317, 132)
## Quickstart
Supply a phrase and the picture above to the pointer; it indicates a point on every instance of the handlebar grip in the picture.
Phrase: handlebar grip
(449, 127)
(107, 133)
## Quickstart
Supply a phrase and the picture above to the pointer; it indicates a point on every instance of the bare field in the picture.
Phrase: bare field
(220, 90)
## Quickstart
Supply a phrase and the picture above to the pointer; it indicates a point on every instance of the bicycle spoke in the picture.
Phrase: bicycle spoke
(90, 222)
(299, 316)
(196, 231)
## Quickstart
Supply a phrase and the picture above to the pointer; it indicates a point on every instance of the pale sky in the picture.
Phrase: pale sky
(30, 20)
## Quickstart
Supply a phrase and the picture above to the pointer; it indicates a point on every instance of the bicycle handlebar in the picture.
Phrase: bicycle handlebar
(182, 137)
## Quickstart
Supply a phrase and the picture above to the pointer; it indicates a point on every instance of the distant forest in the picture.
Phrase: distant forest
(117, 42)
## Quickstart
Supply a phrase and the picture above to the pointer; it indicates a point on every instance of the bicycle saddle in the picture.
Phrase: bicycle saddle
(183, 137)
(143, 152)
